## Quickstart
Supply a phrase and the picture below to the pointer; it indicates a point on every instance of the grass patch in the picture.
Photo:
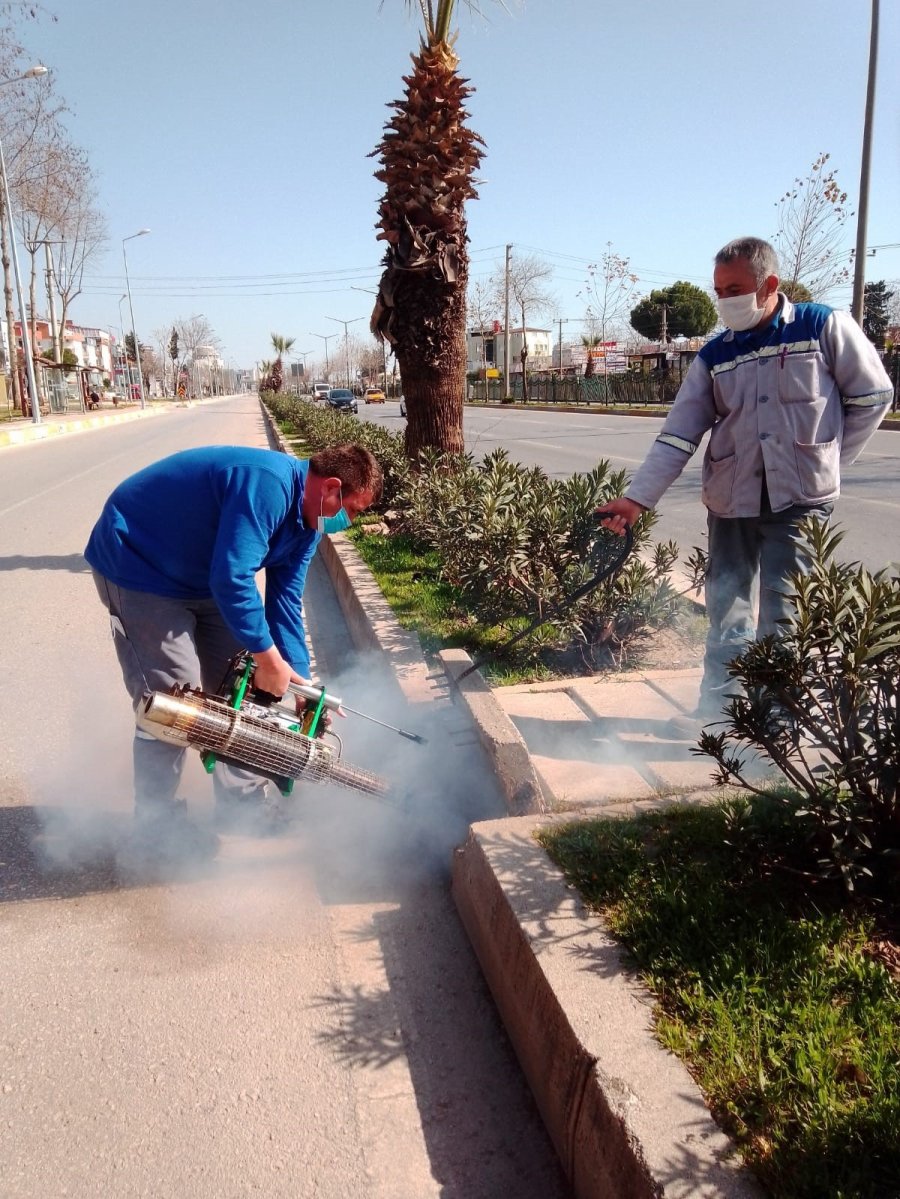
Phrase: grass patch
(764, 986)
(409, 577)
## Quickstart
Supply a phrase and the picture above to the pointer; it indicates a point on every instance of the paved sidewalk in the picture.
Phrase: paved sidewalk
(22, 431)
(603, 740)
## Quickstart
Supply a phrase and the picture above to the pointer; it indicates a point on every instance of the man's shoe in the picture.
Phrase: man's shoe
(165, 840)
(685, 728)
(252, 818)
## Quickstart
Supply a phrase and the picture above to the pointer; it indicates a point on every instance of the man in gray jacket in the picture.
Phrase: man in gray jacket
(790, 393)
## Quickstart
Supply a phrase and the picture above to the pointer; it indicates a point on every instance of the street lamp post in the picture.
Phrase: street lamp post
(862, 219)
(303, 355)
(137, 352)
(326, 337)
(337, 320)
(384, 382)
(32, 73)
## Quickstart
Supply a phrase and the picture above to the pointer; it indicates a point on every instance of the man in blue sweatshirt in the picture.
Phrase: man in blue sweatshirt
(175, 556)
(790, 395)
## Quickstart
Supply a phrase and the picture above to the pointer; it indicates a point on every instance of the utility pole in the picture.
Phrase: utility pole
(862, 216)
(337, 320)
(326, 337)
(506, 341)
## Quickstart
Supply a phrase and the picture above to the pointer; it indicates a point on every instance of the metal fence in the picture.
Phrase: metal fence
(631, 389)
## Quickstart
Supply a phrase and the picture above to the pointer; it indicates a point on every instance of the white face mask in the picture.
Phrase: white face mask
(740, 312)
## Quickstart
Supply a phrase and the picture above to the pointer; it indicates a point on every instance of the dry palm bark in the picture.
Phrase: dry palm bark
(428, 158)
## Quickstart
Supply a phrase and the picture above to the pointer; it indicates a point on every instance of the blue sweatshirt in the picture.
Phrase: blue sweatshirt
(200, 524)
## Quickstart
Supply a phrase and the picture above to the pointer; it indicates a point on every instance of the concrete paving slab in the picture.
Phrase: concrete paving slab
(653, 697)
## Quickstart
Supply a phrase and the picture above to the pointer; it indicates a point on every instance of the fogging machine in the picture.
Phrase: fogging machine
(251, 729)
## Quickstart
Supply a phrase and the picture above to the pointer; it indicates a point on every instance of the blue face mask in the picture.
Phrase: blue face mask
(334, 524)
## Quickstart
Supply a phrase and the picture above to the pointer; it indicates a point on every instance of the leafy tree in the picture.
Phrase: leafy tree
(812, 214)
(877, 312)
(683, 310)
(428, 161)
(129, 347)
(799, 293)
(173, 354)
(281, 345)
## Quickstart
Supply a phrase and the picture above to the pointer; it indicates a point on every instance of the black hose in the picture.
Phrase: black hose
(585, 589)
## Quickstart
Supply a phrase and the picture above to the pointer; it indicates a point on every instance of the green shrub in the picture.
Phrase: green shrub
(517, 544)
(822, 701)
(321, 426)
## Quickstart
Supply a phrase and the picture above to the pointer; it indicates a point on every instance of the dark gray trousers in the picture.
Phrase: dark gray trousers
(160, 642)
(751, 560)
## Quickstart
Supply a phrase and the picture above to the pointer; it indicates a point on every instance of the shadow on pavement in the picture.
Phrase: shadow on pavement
(57, 853)
(72, 562)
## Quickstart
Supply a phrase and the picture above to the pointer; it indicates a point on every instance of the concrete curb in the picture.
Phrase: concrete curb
(501, 740)
(26, 433)
(624, 1115)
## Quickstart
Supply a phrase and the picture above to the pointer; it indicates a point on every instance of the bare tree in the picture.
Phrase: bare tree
(812, 214)
(193, 332)
(608, 293)
(83, 234)
(528, 276)
(29, 122)
(482, 309)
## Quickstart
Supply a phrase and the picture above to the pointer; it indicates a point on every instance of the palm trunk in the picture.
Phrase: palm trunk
(435, 390)
(429, 157)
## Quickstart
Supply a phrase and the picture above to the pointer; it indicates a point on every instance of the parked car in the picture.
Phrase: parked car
(403, 405)
(373, 395)
(320, 391)
(343, 399)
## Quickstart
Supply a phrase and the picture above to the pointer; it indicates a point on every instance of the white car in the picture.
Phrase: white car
(320, 391)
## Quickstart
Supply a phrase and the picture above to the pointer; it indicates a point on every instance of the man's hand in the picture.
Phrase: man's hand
(619, 514)
(272, 673)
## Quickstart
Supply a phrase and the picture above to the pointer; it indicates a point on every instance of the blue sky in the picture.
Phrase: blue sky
(239, 135)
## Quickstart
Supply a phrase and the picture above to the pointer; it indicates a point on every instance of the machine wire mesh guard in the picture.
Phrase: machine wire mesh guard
(191, 719)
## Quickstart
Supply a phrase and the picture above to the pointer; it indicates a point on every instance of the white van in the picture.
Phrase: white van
(320, 391)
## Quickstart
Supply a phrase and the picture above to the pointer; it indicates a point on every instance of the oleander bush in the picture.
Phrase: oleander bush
(320, 426)
(512, 543)
(517, 544)
(822, 701)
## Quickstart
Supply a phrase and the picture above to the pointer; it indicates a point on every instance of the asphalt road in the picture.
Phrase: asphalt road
(565, 442)
(303, 1017)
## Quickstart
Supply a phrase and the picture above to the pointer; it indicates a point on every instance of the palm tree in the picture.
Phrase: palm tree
(428, 158)
(265, 375)
(280, 345)
(590, 342)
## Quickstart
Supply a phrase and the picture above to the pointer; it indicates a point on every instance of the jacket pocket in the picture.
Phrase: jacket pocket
(718, 484)
(799, 378)
(818, 468)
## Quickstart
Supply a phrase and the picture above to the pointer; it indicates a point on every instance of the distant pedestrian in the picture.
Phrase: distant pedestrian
(93, 398)
(791, 394)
